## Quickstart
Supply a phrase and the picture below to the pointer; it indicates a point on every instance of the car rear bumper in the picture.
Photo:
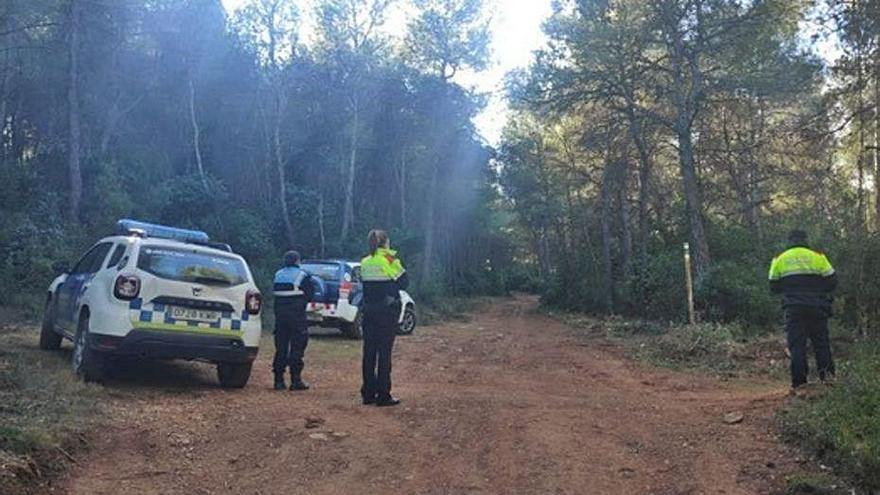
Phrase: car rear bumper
(329, 315)
(327, 322)
(154, 344)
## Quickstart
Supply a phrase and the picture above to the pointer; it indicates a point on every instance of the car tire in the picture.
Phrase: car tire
(408, 324)
(355, 329)
(49, 339)
(87, 363)
(234, 375)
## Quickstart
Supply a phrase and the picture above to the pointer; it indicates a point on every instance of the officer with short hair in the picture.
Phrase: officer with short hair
(806, 279)
(293, 288)
(383, 278)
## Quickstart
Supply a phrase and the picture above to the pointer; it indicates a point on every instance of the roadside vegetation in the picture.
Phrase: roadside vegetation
(724, 350)
(44, 410)
(841, 425)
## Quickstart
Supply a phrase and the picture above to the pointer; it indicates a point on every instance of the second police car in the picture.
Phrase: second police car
(159, 292)
(337, 305)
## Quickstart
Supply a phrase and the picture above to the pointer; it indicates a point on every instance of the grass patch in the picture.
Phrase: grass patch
(42, 407)
(703, 346)
(817, 484)
(842, 425)
(726, 350)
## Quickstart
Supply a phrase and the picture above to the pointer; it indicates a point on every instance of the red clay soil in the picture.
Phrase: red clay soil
(509, 402)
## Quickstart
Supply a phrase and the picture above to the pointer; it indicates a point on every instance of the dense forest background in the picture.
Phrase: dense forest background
(723, 124)
(641, 126)
(174, 111)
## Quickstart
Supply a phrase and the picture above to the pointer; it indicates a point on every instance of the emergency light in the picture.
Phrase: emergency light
(134, 227)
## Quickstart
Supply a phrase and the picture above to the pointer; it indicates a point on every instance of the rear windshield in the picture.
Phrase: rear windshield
(192, 266)
(324, 271)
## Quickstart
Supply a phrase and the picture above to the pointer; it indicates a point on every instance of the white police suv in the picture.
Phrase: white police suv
(156, 292)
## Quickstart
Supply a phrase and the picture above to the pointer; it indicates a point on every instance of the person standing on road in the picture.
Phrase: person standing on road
(292, 288)
(806, 279)
(383, 278)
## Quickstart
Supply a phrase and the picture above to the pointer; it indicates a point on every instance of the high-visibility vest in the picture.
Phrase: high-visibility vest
(800, 261)
(382, 266)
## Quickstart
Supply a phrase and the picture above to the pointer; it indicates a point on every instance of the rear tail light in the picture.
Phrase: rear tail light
(253, 301)
(127, 287)
(344, 290)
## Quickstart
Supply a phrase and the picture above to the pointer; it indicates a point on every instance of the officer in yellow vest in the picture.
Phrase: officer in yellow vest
(383, 278)
(806, 279)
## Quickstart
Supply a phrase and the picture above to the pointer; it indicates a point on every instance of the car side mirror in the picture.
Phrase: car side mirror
(61, 267)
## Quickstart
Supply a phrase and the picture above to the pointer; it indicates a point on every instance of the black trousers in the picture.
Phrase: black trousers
(380, 328)
(804, 323)
(291, 340)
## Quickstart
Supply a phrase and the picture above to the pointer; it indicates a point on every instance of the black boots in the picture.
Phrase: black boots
(387, 401)
(279, 381)
(297, 383)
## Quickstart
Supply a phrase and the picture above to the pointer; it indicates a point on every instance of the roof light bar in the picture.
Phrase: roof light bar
(141, 229)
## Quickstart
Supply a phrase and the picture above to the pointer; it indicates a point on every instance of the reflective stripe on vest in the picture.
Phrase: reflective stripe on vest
(288, 293)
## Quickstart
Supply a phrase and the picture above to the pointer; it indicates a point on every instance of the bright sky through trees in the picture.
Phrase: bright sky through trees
(516, 32)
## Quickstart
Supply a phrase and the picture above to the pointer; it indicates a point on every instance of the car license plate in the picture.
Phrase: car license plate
(192, 314)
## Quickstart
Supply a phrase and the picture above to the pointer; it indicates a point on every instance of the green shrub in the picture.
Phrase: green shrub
(843, 425)
(705, 345)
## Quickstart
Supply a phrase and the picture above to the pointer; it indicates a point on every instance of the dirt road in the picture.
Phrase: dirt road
(510, 402)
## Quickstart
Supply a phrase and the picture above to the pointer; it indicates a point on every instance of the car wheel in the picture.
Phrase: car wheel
(86, 362)
(355, 329)
(234, 375)
(408, 324)
(49, 338)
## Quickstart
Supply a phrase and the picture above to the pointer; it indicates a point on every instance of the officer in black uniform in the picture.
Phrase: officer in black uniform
(806, 280)
(293, 288)
(383, 277)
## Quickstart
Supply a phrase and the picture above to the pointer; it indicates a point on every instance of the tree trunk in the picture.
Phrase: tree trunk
(74, 131)
(348, 209)
(754, 178)
(877, 138)
(688, 84)
(626, 244)
(544, 259)
(607, 196)
(644, 190)
(693, 202)
(4, 108)
(197, 134)
(7, 77)
(109, 127)
(280, 104)
(400, 176)
(4, 89)
(861, 313)
(428, 253)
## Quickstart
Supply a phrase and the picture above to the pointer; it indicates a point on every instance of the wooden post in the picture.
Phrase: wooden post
(689, 282)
